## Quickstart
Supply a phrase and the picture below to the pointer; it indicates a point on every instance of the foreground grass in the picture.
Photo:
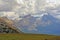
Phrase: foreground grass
(28, 37)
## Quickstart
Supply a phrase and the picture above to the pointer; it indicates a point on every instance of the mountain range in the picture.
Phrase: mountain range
(47, 24)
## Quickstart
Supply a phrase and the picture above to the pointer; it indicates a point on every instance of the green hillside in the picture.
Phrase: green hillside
(28, 37)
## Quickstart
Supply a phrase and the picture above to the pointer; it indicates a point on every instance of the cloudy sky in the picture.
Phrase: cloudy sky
(24, 7)
(33, 7)
(15, 8)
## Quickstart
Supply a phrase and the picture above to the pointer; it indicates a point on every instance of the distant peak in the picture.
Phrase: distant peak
(45, 13)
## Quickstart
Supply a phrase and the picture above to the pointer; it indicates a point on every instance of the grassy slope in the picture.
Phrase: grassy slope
(27, 37)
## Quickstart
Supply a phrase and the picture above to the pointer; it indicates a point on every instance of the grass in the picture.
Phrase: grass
(28, 37)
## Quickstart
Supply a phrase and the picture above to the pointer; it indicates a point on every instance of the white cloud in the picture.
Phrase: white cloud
(33, 6)
(20, 2)
(7, 5)
(28, 6)
(10, 15)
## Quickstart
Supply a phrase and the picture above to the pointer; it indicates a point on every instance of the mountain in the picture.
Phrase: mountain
(26, 22)
(6, 26)
(47, 24)
(47, 20)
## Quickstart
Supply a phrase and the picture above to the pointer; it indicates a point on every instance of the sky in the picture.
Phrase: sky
(25, 7)
(13, 9)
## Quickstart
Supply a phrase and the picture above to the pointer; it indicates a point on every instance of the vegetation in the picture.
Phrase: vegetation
(28, 37)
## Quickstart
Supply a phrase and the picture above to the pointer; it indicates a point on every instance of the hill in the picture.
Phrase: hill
(6, 26)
